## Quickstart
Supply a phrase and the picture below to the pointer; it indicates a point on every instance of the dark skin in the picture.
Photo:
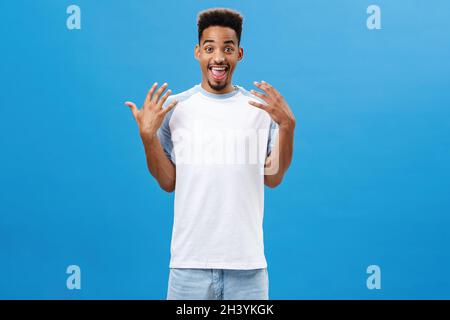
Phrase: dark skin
(218, 47)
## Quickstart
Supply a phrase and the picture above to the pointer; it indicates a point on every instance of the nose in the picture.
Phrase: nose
(219, 57)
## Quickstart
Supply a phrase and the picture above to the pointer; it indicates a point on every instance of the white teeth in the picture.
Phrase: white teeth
(218, 68)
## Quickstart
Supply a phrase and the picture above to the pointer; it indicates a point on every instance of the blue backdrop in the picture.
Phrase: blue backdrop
(369, 183)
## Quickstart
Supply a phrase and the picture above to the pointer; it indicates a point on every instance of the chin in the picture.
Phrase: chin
(217, 86)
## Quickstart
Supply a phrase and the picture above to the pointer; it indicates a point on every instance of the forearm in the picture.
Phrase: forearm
(280, 158)
(160, 167)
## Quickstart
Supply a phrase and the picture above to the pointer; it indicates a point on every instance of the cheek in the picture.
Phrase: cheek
(203, 63)
(234, 59)
(233, 62)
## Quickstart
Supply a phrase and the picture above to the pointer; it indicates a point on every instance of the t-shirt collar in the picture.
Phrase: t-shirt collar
(218, 95)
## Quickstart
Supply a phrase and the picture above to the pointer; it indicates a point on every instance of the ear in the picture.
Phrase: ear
(240, 54)
(197, 52)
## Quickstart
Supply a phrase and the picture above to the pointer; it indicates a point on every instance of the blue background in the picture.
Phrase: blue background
(369, 183)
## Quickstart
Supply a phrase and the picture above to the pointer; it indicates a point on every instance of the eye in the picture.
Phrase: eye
(229, 49)
(209, 49)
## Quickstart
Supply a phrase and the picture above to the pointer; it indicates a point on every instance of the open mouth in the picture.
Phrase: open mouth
(218, 72)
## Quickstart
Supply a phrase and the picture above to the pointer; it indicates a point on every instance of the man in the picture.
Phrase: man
(217, 249)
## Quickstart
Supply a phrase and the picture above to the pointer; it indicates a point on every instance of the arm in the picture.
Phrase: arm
(160, 167)
(149, 119)
(279, 160)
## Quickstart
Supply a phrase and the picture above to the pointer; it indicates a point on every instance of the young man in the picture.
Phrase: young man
(199, 150)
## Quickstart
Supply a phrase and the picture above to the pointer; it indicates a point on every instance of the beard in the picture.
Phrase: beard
(217, 87)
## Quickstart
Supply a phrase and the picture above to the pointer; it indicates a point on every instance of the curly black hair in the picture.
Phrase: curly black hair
(220, 17)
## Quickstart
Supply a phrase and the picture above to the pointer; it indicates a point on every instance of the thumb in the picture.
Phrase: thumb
(133, 108)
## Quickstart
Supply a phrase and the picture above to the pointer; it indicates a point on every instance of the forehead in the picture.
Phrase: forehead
(219, 34)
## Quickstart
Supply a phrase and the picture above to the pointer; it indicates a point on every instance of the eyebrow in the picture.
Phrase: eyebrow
(225, 42)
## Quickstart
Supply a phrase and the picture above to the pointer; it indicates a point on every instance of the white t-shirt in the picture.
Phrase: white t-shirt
(218, 143)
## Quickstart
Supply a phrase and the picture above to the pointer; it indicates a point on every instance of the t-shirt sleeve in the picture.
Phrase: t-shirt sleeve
(165, 135)
(273, 134)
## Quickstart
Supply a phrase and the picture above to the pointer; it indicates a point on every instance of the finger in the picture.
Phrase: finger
(258, 105)
(262, 87)
(164, 97)
(170, 106)
(270, 88)
(267, 88)
(259, 95)
(150, 92)
(158, 93)
(266, 85)
(133, 108)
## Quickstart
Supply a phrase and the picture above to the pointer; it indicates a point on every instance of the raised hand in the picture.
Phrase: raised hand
(150, 117)
(275, 105)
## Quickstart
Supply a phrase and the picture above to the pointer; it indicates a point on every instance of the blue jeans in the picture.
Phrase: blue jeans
(218, 284)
